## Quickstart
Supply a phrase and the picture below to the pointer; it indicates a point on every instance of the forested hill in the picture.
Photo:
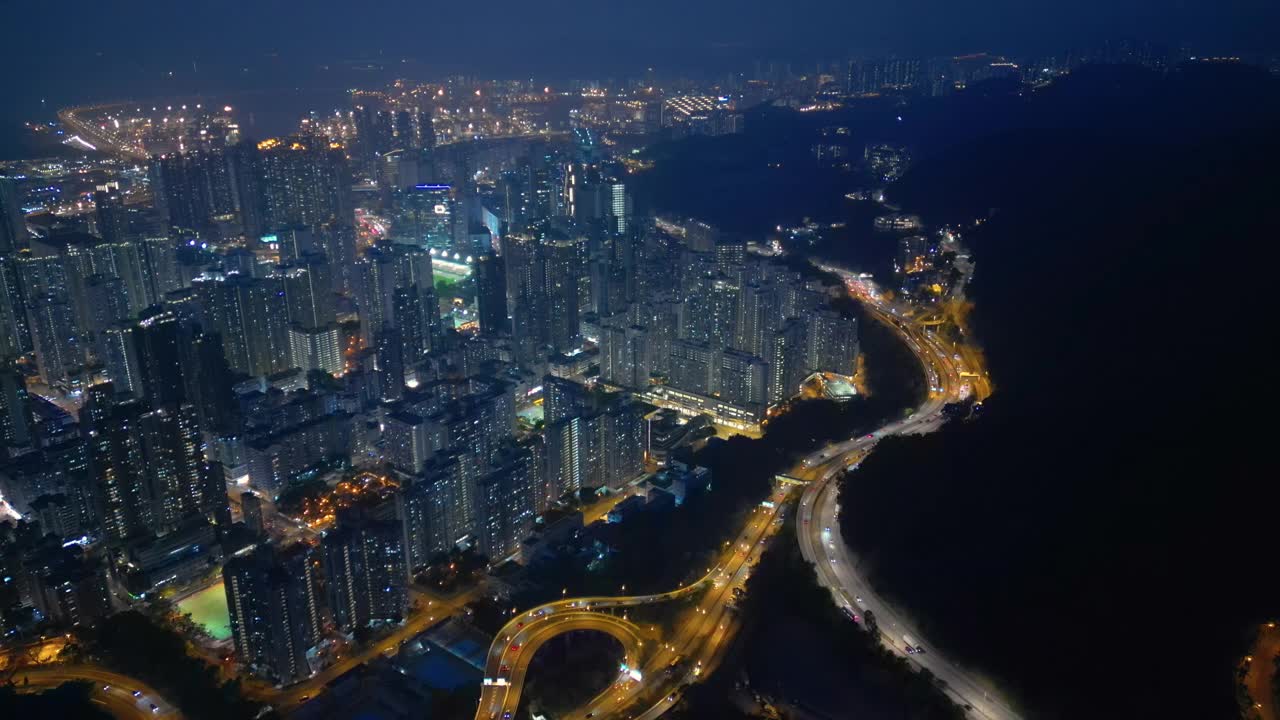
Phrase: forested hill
(1102, 538)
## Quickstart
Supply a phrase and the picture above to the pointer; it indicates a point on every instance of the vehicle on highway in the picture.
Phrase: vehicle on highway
(913, 647)
(137, 693)
(154, 709)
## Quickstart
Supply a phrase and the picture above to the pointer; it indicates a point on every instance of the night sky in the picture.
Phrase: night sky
(87, 49)
(558, 33)
(56, 54)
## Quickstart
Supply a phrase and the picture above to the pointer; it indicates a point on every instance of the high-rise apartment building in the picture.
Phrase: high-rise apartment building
(365, 571)
(833, 343)
(507, 501)
(788, 360)
(13, 223)
(273, 602)
(743, 379)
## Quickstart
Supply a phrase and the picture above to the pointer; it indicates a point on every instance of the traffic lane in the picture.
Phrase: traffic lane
(115, 689)
(505, 698)
(498, 698)
(701, 636)
(621, 631)
(837, 452)
(836, 573)
(891, 632)
(841, 576)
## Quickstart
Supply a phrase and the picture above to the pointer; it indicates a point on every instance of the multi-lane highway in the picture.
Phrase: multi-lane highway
(120, 695)
(703, 633)
(661, 665)
(508, 662)
(818, 528)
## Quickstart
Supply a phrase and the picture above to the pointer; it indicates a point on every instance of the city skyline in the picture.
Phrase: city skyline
(725, 386)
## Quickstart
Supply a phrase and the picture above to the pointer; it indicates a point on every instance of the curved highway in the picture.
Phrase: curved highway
(507, 666)
(702, 633)
(114, 692)
(819, 534)
(662, 665)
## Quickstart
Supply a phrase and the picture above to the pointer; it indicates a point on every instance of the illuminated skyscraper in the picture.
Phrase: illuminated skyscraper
(624, 355)
(694, 366)
(15, 336)
(251, 315)
(15, 411)
(159, 359)
(563, 268)
(110, 215)
(365, 571)
(397, 288)
(112, 432)
(119, 348)
(307, 182)
(573, 454)
(619, 207)
(833, 342)
(179, 482)
(507, 501)
(13, 224)
(317, 349)
(192, 188)
(390, 358)
(424, 216)
(273, 605)
(622, 442)
(743, 379)
(308, 292)
(434, 509)
(54, 336)
(787, 357)
(410, 441)
(758, 315)
(491, 294)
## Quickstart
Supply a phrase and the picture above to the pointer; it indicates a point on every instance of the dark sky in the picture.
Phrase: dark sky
(539, 32)
(91, 49)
